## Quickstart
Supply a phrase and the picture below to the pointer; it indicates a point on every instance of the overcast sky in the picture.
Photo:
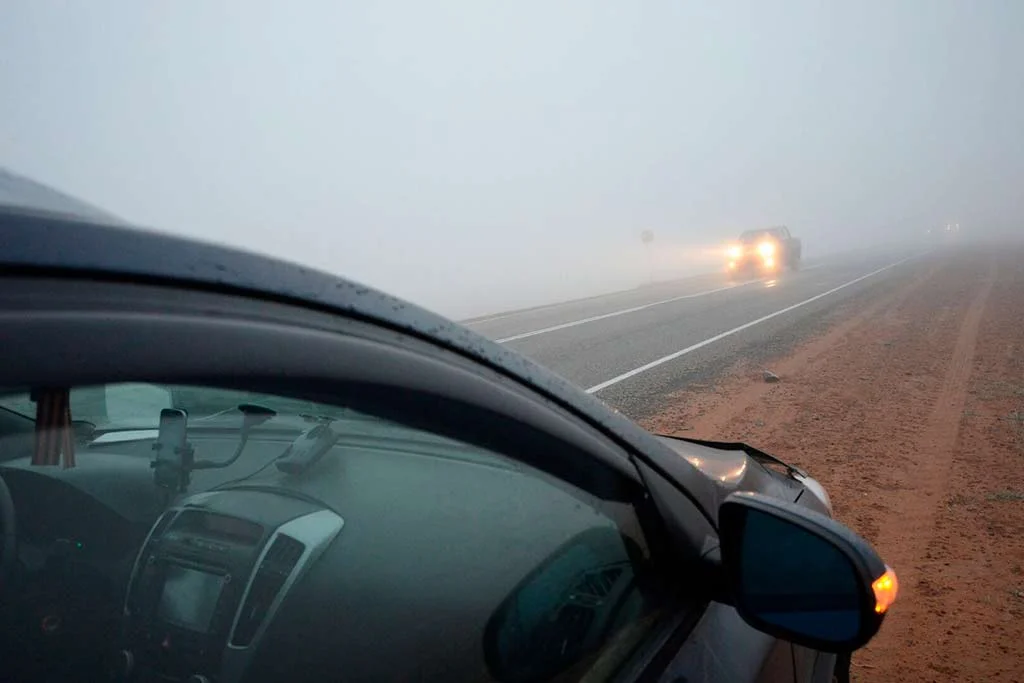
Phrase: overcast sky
(475, 155)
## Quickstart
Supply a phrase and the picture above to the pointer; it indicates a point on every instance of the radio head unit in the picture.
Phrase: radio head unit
(207, 583)
(189, 597)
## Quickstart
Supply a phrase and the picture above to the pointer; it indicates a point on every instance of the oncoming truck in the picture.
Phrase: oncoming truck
(763, 252)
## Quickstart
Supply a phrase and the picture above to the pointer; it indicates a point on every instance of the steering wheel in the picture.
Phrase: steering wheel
(8, 537)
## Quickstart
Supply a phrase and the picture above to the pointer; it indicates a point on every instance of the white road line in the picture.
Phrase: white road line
(711, 340)
(502, 316)
(624, 311)
(558, 304)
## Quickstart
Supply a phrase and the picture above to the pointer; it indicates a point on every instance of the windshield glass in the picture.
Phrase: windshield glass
(755, 236)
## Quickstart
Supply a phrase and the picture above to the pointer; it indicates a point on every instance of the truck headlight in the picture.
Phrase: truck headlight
(766, 249)
(734, 252)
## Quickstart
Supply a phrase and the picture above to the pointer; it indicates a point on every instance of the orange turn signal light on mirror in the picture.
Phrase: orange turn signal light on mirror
(885, 588)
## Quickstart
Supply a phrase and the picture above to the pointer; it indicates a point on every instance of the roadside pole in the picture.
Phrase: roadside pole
(647, 237)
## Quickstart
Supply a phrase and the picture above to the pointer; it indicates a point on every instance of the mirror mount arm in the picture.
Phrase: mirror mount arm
(253, 416)
(213, 464)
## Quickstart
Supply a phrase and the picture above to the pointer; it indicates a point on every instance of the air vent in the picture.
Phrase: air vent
(277, 565)
(568, 631)
(564, 636)
(598, 584)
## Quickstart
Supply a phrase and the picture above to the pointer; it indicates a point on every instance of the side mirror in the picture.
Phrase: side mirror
(799, 575)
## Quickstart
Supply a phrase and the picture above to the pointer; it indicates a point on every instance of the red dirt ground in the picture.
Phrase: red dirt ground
(909, 408)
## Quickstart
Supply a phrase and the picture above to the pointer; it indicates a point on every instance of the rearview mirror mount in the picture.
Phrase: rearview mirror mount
(801, 576)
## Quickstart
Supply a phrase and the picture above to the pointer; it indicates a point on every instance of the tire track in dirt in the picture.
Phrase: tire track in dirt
(973, 570)
(909, 537)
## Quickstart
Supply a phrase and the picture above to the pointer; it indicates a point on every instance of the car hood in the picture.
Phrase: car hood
(734, 467)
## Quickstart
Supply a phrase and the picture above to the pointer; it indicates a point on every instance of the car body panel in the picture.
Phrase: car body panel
(735, 470)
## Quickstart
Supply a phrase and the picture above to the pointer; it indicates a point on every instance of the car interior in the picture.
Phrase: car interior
(170, 533)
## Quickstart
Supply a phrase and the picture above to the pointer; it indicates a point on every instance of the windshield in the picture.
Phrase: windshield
(756, 236)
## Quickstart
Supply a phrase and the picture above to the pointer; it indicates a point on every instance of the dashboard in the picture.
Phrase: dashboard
(208, 581)
(186, 597)
(407, 548)
(390, 559)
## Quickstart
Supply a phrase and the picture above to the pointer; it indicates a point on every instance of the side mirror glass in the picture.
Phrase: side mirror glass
(802, 576)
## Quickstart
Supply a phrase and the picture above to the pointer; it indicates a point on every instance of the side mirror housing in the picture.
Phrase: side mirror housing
(801, 576)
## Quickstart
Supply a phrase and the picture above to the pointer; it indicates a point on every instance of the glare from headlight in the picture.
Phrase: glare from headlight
(766, 248)
(735, 252)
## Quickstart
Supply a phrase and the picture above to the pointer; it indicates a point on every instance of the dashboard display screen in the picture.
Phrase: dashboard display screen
(189, 597)
(206, 524)
(233, 527)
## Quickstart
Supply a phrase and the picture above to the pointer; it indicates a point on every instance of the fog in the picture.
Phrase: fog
(476, 156)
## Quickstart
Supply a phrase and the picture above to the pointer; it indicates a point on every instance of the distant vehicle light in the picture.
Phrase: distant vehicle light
(766, 249)
(731, 265)
(885, 587)
(769, 262)
(734, 252)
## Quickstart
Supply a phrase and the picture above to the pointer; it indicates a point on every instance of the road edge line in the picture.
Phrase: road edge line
(624, 311)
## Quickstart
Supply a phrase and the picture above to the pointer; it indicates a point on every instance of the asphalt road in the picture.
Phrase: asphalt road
(633, 347)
